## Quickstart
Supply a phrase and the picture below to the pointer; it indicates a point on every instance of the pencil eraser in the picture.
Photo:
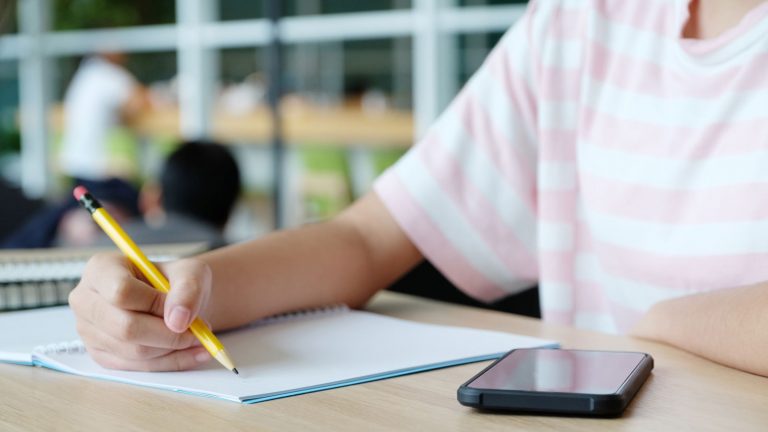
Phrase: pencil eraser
(79, 192)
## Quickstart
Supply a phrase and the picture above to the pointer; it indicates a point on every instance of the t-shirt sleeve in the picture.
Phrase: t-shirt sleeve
(466, 193)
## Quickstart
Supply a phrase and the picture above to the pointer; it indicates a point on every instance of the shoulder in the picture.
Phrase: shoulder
(567, 12)
(544, 19)
(547, 9)
(565, 24)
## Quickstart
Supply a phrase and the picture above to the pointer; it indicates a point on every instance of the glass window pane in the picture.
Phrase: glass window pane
(344, 72)
(9, 128)
(237, 9)
(473, 49)
(330, 73)
(335, 88)
(8, 17)
(236, 64)
(151, 67)
(489, 2)
(90, 14)
(381, 65)
(344, 6)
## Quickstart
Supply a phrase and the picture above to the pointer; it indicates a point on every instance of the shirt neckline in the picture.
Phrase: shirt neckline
(730, 44)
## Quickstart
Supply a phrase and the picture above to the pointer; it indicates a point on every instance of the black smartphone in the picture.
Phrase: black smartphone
(559, 381)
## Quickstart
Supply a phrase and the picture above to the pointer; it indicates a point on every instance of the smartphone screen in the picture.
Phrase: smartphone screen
(554, 370)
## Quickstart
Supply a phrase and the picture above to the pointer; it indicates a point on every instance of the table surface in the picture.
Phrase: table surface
(684, 392)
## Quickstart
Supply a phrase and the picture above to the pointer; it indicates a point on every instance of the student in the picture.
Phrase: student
(102, 93)
(612, 150)
(17, 208)
(197, 190)
(42, 228)
(196, 193)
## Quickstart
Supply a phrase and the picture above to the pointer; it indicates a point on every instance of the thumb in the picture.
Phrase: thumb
(190, 281)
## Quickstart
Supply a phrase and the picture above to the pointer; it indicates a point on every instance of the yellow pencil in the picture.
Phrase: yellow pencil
(149, 270)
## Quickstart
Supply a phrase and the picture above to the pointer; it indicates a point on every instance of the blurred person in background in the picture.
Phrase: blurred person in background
(42, 227)
(101, 95)
(190, 202)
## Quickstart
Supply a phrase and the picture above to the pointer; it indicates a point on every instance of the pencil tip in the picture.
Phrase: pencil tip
(235, 371)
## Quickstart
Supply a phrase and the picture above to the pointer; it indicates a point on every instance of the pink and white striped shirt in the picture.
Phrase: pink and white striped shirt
(602, 155)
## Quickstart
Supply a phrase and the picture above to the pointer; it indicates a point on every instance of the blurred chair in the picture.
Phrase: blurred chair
(426, 281)
(17, 209)
(40, 229)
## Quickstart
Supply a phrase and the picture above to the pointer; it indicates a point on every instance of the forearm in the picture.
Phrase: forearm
(345, 260)
(727, 326)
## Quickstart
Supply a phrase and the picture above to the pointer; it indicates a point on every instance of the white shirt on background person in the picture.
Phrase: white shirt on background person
(93, 104)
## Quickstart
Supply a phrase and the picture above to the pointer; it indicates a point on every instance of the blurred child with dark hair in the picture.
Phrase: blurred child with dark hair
(192, 201)
(197, 191)
(200, 180)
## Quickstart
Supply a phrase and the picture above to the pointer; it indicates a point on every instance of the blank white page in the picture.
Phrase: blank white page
(316, 352)
(22, 331)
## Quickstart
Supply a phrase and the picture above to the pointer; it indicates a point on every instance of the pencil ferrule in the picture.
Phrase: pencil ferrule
(90, 203)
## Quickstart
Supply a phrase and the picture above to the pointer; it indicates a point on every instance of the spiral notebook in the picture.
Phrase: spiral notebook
(35, 278)
(277, 357)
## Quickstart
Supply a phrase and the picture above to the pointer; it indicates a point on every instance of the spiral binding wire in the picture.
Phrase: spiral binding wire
(70, 347)
(37, 280)
(35, 294)
(303, 314)
(29, 283)
(25, 270)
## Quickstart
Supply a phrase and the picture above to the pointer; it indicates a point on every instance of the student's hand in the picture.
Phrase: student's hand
(127, 324)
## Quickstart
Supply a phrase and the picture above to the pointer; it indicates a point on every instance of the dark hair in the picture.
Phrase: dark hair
(201, 180)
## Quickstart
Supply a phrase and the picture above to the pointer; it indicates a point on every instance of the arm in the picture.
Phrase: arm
(126, 324)
(344, 260)
(137, 102)
(726, 326)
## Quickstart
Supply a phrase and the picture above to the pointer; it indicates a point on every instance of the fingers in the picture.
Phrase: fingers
(112, 277)
(128, 327)
(173, 361)
(126, 324)
(190, 287)
(100, 341)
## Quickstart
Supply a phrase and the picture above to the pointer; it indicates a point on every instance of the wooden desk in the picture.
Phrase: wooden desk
(683, 393)
(342, 126)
